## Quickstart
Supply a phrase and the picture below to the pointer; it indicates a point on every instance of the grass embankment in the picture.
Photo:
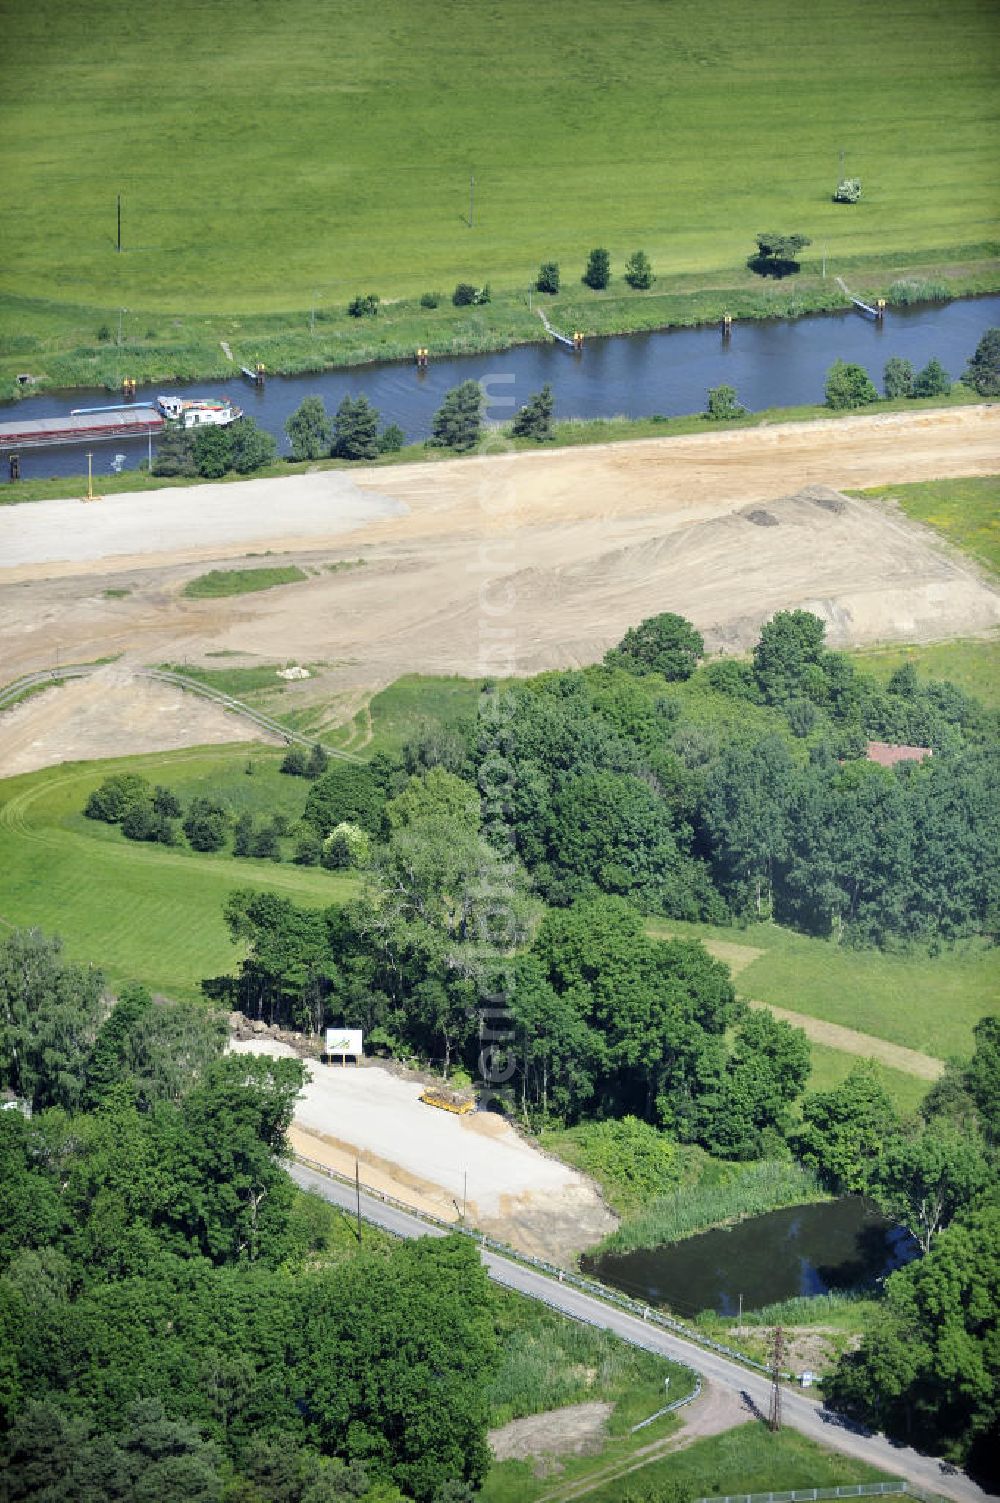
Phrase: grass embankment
(748, 1459)
(145, 912)
(356, 136)
(722, 1195)
(569, 434)
(966, 512)
(220, 582)
(547, 1362)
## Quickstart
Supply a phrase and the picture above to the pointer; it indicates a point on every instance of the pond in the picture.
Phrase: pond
(801, 1250)
(771, 363)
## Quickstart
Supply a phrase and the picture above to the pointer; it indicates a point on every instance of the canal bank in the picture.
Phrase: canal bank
(779, 364)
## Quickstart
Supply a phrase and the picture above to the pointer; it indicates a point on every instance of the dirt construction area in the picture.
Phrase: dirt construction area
(439, 1162)
(506, 563)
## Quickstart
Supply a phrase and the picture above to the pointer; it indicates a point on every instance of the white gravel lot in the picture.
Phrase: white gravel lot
(382, 1117)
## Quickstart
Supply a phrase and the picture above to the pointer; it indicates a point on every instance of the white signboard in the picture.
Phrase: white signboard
(344, 1041)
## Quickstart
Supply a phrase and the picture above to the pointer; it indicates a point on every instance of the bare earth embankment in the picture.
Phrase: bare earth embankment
(506, 563)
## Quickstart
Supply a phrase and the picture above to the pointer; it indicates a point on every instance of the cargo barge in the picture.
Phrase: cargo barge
(84, 426)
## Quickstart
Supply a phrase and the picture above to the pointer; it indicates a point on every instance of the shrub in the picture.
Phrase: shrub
(723, 404)
(355, 429)
(458, 421)
(484, 295)
(104, 333)
(365, 305)
(166, 803)
(243, 836)
(309, 429)
(638, 271)
(802, 716)
(143, 823)
(346, 846)
(348, 792)
(391, 439)
(777, 255)
(464, 295)
(317, 763)
(634, 1161)
(666, 644)
(116, 796)
(308, 849)
(265, 843)
(598, 272)
(175, 452)
(535, 418)
(932, 381)
(548, 277)
(213, 452)
(295, 762)
(983, 371)
(205, 825)
(430, 299)
(897, 378)
(848, 386)
(253, 447)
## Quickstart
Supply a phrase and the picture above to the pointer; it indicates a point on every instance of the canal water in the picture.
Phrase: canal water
(773, 363)
(802, 1250)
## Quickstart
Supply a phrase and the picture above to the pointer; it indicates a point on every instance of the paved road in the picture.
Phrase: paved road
(799, 1411)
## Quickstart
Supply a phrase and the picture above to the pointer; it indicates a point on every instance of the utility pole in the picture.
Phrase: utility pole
(777, 1356)
(357, 1186)
(739, 1318)
(472, 199)
(824, 263)
(121, 314)
(119, 224)
(465, 1193)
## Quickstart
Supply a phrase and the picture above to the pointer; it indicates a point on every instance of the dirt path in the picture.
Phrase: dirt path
(509, 563)
(849, 1041)
(715, 1410)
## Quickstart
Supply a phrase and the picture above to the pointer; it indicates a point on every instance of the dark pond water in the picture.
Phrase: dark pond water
(802, 1250)
(778, 363)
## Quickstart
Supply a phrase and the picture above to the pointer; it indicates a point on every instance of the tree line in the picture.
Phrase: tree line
(180, 1324)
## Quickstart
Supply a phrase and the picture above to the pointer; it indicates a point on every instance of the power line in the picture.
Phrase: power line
(777, 1357)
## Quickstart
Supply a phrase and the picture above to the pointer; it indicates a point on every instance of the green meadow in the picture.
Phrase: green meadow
(278, 166)
(924, 1002)
(966, 512)
(145, 912)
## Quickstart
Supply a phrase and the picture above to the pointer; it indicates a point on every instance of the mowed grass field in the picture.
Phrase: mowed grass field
(928, 1003)
(144, 912)
(300, 151)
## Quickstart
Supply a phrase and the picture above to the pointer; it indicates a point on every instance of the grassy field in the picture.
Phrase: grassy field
(318, 150)
(973, 663)
(144, 912)
(966, 512)
(926, 1003)
(746, 1459)
(218, 582)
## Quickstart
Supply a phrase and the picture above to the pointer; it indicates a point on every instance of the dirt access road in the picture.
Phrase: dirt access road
(507, 563)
